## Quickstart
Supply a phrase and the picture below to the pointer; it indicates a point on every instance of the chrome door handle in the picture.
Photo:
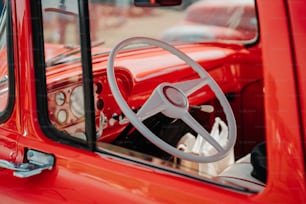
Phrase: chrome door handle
(37, 162)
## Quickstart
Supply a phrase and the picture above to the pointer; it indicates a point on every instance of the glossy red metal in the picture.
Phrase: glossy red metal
(81, 176)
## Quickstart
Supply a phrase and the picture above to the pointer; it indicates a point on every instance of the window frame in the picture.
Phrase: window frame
(6, 113)
(41, 81)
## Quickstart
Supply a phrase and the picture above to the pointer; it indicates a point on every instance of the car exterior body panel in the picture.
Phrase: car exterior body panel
(82, 176)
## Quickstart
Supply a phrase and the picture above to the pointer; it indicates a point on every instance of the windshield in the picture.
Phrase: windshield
(113, 21)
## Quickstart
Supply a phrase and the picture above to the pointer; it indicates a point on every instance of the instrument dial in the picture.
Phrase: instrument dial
(60, 98)
(77, 102)
(62, 116)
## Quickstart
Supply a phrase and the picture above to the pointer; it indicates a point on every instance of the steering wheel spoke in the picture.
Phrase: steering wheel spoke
(193, 124)
(190, 86)
(152, 106)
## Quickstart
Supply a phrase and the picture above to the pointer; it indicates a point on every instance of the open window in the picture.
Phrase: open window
(175, 107)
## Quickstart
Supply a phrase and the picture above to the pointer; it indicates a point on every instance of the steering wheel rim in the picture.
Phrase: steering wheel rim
(137, 123)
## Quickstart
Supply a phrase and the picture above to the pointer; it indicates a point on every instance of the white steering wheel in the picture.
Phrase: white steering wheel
(171, 100)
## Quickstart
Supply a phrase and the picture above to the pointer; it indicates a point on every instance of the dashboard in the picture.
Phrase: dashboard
(66, 106)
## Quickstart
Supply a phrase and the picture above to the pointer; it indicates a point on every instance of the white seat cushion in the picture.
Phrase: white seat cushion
(239, 173)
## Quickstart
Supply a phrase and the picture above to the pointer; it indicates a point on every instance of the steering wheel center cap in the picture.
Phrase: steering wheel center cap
(175, 96)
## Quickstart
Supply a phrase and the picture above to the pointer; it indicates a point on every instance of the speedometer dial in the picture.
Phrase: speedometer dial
(77, 102)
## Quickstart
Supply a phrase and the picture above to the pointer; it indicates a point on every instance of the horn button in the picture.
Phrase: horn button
(175, 96)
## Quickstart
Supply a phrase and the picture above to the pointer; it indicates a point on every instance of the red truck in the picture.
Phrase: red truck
(96, 113)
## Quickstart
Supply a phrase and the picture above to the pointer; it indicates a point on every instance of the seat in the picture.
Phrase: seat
(239, 174)
(199, 146)
(226, 169)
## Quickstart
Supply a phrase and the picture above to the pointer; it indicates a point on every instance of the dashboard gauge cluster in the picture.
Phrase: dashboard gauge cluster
(66, 106)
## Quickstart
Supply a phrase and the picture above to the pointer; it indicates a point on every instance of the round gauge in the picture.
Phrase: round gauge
(62, 116)
(60, 98)
(77, 102)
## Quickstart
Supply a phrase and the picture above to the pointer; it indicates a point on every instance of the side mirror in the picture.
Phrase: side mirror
(157, 3)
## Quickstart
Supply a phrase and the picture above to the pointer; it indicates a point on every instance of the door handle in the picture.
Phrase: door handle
(36, 163)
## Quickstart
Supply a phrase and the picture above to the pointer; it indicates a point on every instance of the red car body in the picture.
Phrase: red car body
(83, 176)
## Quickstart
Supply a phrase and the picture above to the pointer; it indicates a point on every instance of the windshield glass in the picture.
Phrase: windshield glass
(193, 21)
